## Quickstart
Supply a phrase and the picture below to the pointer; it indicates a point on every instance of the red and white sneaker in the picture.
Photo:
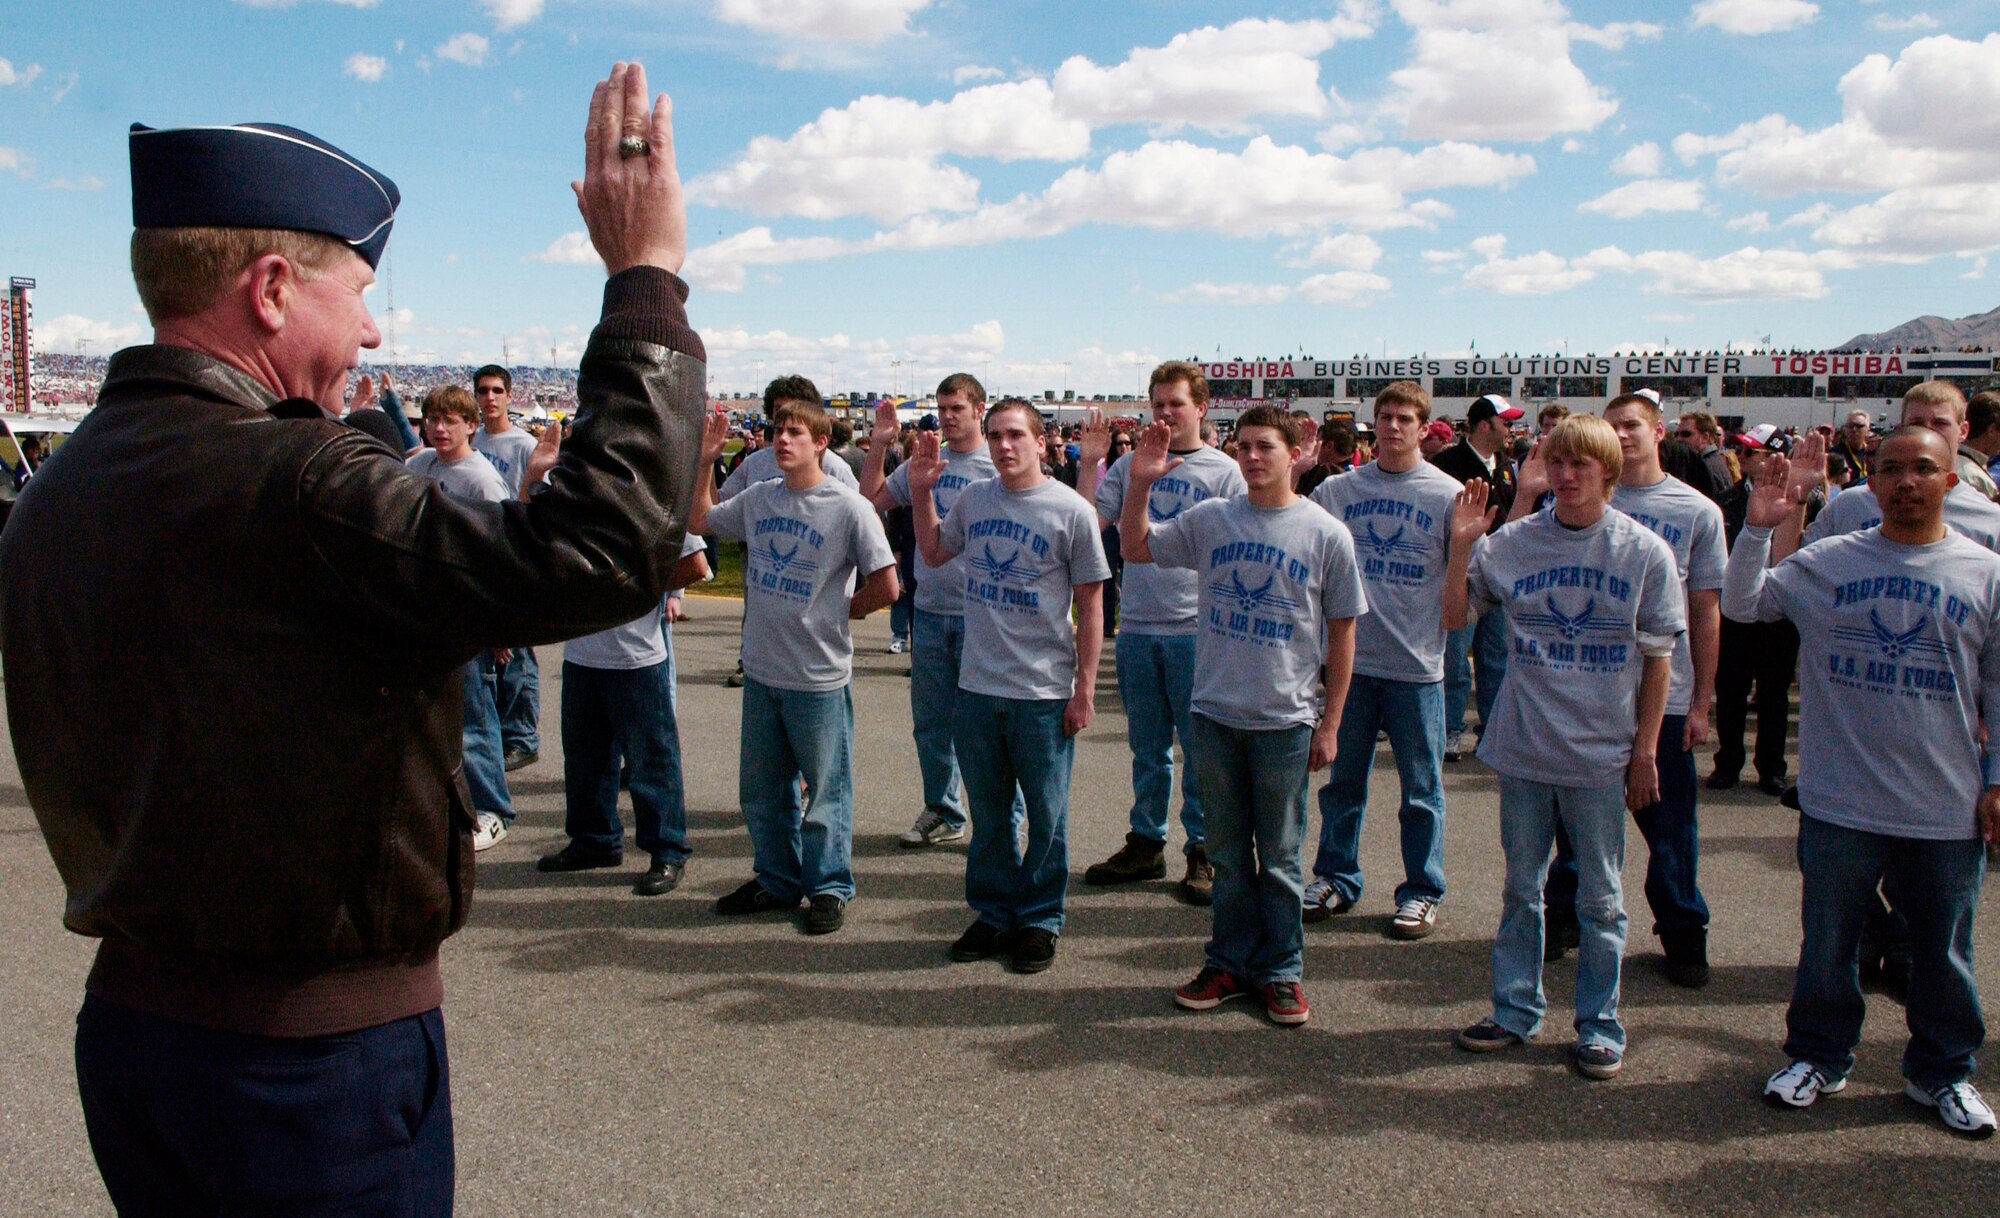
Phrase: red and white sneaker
(1285, 1002)
(1210, 988)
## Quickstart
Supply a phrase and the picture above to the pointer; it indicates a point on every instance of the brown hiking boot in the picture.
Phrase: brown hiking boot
(1140, 858)
(1197, 887)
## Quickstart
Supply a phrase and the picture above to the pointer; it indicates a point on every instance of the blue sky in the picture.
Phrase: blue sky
(1060, 194)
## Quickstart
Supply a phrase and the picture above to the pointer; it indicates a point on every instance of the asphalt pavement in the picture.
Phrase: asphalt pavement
(619, 1055)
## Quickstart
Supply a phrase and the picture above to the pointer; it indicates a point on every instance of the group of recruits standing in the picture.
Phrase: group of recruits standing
(1275, 636)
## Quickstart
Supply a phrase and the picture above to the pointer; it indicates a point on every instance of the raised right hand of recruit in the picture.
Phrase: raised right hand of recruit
(632, 207)
(1093, 439)
(548, 451)
(1151, 458)
(714, 437)
(1470, 517)
(364, 394)
(1531, 481)
(1770, 495)
(1307, 457)
(1808, 462)
(888, 425)
(926, 465)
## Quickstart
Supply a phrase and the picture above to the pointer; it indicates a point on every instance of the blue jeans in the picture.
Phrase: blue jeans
(517, 695)
(936, 645)
(1015, 755)
(790, 734)
(1413, 715)
(187, 1120)
(1481, 646)
(612, 713)
(1254, 784)
(485, 765)
(1156, 684)
(1672, 843)
(1595, 819)
(1933, 884)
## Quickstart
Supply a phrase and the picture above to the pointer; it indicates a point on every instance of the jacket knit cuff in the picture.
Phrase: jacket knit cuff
(648, 304)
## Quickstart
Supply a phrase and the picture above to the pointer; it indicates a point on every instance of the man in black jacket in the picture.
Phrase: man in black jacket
(260, 612)
(1482, 645)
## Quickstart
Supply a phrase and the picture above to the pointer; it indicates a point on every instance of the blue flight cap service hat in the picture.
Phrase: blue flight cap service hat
(259, 175)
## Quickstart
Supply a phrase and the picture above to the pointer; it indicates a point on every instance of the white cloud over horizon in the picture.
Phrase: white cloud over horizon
(862, 21)
(1754, 16)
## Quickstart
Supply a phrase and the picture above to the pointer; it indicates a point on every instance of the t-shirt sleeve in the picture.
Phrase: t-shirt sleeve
(692, 545)
(871, 541)
(1342, 595)
(1749, 593)
(951, 530)
(838, 470)
(1825, 524)
(1322, 497)
(1662, 604)
(726, 519)
(1173, 541)
(1232, 483)
(1111, 490)
(1087, 564)
(738, 478)
(1706, 551)
(899, 485)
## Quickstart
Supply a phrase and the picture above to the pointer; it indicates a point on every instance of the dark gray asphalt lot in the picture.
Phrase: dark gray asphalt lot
(614, 1055)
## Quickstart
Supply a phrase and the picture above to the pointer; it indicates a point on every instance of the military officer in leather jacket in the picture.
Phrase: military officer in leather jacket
(231, 634)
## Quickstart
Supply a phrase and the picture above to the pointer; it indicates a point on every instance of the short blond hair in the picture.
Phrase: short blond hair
(1585, 436)
(1936, 393)
(182, 271)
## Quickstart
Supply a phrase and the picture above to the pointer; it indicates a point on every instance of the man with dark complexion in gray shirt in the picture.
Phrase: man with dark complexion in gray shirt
(1899, 629)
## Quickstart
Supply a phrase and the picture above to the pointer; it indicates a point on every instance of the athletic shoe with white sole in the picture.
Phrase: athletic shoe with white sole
(1415, 918)
(489, 832)
(1322, 901)
(931, 829)
(1958, 1106)
(1799, 1084)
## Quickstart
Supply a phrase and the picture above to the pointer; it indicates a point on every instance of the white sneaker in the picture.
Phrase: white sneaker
(489, 832)
(1415, 919)
(1958, 1106)
(897, 646)
(1799, 1084)
(931, 829)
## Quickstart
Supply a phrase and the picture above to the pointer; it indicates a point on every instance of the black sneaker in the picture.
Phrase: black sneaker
(1560, 937)
(662, 878)
(1140, 858)
(735, 679)
(1687, 957)
(1486, 1036)
(1034, 950)
(826, 914)
(1720, 781)
(980, 941)
(1774, 786)
(749, 899)
(517, 758)
(579, 857)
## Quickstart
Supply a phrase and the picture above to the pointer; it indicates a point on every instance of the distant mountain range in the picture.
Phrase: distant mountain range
(1979, 330)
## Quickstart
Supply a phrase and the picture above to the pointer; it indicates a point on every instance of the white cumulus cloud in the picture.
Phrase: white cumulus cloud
(863, 21)
(69, 332)
(364, 67)
(1889, 23)
(468, 49)
(1639, 161)
(1753, 16)
(1749, 273)
(966, 74)
(10, 75)
(507, 14)
(1210, 77)
(1499, 70)
(1647, 195)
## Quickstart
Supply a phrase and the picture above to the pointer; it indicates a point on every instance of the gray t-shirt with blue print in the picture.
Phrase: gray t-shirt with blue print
(1150, 600)
(942, 589)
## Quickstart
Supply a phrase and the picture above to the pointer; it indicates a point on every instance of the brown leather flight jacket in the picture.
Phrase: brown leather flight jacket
(232, 645)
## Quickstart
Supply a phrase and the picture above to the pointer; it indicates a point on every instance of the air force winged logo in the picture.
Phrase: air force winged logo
(786, 562)
(1001, 570)
(1892, 644)
(1392, 545)
(1572, 626)
(1249, 600)
(1154, 514)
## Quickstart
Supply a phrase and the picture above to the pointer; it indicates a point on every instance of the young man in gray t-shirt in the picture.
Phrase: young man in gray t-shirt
(1899, 677)
(1594, 608)
(1398, 508)
(1027, 682)
(449, 419)
(939, 604)
(1157, 624)
(1279, 594)
(810, 539)
(517, 684)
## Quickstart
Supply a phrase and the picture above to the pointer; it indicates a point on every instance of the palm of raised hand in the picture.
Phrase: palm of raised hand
(1469, 514)
(714, 436)
(926, 465)
(1151, 457)
(1771, 497)
(1808, 467)
(1093, 440)
(1532, 479)
(887, 425)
